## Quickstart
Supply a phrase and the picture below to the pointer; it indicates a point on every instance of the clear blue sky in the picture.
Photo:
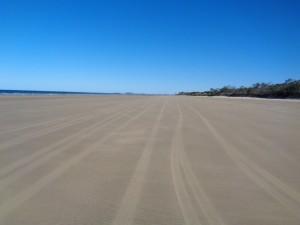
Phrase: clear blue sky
(147, 46)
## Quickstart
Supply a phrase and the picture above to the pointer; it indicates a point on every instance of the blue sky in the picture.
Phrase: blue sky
(147, 46)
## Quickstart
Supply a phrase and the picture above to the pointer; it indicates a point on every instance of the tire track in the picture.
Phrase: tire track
(42, 123)
(46, 123)
(11, 167)
(13, 203)
(74, 120)
(284, 194)
(191, 197)
(29, 136)
(261, 141)
(289, 191)
(40, 157)
(126, 212)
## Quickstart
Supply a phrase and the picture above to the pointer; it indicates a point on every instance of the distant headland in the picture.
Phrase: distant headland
(288, 89)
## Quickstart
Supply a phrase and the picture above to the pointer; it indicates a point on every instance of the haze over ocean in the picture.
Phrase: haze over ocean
(147, 46)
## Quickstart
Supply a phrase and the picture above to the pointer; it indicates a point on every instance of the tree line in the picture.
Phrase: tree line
(288, 89)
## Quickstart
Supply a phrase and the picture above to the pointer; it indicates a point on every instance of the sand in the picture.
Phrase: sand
(148, 160)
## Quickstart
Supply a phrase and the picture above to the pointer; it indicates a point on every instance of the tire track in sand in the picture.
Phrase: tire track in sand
(291, 192)
(66, 122)
(126, 212)
(48, 122)
(13, 203)
(273, 186)
(29, 158)
(45, 131)
(40, 157)
(191, 197)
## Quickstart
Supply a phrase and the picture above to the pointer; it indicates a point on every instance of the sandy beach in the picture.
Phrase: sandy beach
(148, 160)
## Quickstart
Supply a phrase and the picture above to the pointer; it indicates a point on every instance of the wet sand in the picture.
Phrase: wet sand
(141, 160)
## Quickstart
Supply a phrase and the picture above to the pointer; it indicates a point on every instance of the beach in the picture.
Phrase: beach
(141, 160)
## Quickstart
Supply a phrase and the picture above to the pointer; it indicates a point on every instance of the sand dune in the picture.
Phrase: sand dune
(141, 160)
